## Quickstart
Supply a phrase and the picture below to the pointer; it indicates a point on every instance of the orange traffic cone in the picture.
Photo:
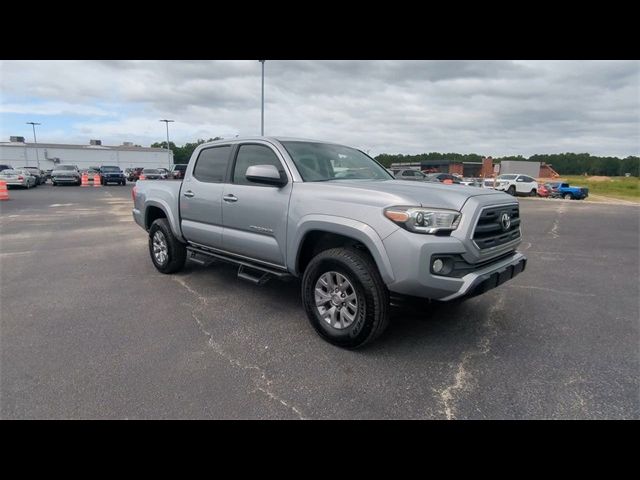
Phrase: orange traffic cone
(85, 180)
(96, 180)
(4, 192)
(141, 177)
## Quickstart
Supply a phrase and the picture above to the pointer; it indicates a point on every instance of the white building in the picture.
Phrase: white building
(18, 153)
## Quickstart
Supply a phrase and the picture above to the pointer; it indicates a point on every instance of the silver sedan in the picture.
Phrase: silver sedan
(19, 178)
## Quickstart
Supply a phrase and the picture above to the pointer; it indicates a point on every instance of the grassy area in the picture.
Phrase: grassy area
(616, 187)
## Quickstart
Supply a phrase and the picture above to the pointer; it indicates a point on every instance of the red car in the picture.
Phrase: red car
(543, 190)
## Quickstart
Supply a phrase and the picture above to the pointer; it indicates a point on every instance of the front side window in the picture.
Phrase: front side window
(249, 155)
(320, 162)
(408, 173)
(212, 163)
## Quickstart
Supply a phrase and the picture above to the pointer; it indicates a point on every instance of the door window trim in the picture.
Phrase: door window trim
(235, 159)
(225, 178)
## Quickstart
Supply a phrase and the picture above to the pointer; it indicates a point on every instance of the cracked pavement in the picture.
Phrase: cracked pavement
(89, 329)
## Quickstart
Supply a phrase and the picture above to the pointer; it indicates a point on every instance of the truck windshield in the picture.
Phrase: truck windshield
(319, 162)
(110, 169)
(65, 167)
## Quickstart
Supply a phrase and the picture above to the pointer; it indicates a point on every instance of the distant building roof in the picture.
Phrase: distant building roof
(84, 147)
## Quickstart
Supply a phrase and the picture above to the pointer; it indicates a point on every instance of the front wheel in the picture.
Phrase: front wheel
(168, 254)
(533, 193)
(512, 190)
(344, 297)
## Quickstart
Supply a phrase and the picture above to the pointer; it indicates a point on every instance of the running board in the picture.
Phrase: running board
(247, 270)
(256, 277)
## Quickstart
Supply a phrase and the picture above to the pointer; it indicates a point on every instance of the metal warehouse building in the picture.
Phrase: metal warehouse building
(19, 153)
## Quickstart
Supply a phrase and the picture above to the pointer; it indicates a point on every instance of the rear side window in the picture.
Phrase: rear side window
(249, 155)
(212, 163)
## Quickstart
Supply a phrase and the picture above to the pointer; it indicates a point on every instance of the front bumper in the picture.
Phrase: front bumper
(65, 179)
(113, 179)
(492, 276)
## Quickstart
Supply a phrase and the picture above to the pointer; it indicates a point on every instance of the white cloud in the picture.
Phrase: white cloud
(496, 108)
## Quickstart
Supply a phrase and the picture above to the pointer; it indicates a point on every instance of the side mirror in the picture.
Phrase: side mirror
(265, 174)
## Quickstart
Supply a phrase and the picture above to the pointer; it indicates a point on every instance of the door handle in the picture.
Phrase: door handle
(230, 198)
(189, 194)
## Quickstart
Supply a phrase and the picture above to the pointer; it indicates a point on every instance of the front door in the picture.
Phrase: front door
(255, 215)
(201, 197)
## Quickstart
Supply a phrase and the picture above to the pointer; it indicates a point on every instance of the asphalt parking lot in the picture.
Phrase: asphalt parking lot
(89, 329)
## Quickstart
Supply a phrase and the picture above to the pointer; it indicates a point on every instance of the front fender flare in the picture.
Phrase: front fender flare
(347, 227)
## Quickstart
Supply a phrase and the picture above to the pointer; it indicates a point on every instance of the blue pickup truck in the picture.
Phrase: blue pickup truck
(564, 190)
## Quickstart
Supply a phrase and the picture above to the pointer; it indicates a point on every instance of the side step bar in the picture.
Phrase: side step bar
(247, 270)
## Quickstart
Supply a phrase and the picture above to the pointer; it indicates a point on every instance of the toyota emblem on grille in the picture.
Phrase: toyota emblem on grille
(505, 221)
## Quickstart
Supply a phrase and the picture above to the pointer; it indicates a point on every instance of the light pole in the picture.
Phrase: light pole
(167, 122)
(262, 122)
(35, 140)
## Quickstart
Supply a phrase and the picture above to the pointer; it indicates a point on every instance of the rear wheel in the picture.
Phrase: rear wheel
(344, 297)
(567, 196)
(168, 254)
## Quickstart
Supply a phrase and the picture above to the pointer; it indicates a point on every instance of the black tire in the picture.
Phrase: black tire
(511, 190)
(567, 196)
(372, 295)
(176, 250)
(533, 193)
(54, 183)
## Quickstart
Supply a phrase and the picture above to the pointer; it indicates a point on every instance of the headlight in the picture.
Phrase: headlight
(424, 219)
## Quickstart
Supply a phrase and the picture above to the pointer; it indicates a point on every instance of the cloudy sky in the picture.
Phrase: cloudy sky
(488, 107)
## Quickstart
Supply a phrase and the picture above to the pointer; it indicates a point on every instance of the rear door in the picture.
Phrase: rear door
(255, 215)
(201, 196)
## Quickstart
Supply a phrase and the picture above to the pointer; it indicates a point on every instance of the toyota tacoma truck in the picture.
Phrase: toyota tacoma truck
(334, 217)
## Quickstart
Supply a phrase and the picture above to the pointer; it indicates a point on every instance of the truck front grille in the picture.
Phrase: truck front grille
(490, 230)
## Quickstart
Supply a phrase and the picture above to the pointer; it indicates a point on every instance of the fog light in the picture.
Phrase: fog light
(437, 266)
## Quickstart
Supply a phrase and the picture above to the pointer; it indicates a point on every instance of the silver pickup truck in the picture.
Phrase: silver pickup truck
(284, 207)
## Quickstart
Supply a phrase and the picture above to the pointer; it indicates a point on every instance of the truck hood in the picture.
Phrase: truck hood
(399, 192)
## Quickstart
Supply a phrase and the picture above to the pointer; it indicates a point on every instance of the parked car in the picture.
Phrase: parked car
(488, 183)
(65, 174)
(178, 170)
(544, 191)
(564, 190)
(471, 182)
(36, 172)
(5, 166)
(516, 184)
(276, 208)
(153, 174)
(112, 174)
(166, 171)
(134, 174)
(408, 174)
(18, 178)
(443, 178)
